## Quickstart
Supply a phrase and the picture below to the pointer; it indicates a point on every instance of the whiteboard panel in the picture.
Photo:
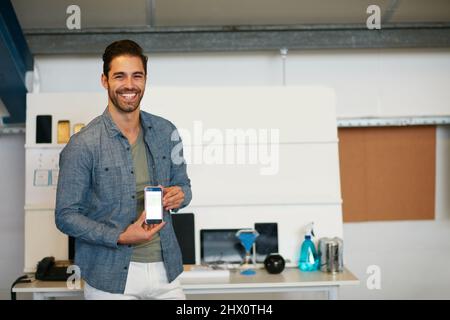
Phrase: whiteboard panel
(297, 185)
(304, 168)
(300, 113)
(304, 173)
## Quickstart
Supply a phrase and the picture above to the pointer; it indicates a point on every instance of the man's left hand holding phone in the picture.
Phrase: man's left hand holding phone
(150, 221)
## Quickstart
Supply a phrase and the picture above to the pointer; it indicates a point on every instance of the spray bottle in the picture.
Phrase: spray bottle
(309, 260)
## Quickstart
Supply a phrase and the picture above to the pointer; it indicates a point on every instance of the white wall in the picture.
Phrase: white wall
(410, 254)
(12, 197)
(367, 82)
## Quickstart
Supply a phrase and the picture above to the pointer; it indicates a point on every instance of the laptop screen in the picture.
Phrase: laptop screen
(220, 246)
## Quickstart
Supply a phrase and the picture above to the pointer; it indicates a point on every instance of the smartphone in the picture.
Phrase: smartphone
(153, 205)
(43, 129)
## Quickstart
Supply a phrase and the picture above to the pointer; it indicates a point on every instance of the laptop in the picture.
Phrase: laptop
(221, 247)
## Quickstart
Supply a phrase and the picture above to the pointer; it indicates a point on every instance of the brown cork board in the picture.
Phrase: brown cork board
(388, 173)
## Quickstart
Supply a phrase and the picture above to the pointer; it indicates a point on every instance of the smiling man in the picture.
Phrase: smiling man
(100, 194)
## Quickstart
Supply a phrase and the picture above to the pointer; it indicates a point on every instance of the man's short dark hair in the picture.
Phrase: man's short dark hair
(122, 48)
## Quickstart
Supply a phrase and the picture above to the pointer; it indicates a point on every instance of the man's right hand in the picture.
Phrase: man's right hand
(139, 232)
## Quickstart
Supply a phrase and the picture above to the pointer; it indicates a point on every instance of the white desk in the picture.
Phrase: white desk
(290, 280)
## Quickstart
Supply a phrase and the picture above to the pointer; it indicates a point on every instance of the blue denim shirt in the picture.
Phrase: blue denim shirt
(96, 197)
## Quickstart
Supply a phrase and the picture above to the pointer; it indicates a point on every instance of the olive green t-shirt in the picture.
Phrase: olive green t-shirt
(149, 251)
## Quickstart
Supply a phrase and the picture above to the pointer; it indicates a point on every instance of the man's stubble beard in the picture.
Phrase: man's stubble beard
(127, 108)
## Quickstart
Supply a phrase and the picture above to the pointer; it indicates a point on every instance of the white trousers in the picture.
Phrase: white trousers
(144, 281)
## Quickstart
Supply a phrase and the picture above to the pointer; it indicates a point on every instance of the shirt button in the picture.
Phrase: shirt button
(125, 268)
(128, 148)
(132, 172)
(132, 221)
(132, 197)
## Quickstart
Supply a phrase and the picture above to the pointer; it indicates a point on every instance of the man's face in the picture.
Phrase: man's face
(125, 83)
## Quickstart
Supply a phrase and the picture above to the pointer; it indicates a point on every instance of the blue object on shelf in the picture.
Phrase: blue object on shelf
(309, 259)
(247, 238)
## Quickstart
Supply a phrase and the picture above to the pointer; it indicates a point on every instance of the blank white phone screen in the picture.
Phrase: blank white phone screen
(153, 206)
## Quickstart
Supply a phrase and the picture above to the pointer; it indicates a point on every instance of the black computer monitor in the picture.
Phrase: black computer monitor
(267, 241)
(71, 249)
(183, 225)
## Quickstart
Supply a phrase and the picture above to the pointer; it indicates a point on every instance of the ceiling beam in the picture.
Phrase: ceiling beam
(250, 38)
(15, 61)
